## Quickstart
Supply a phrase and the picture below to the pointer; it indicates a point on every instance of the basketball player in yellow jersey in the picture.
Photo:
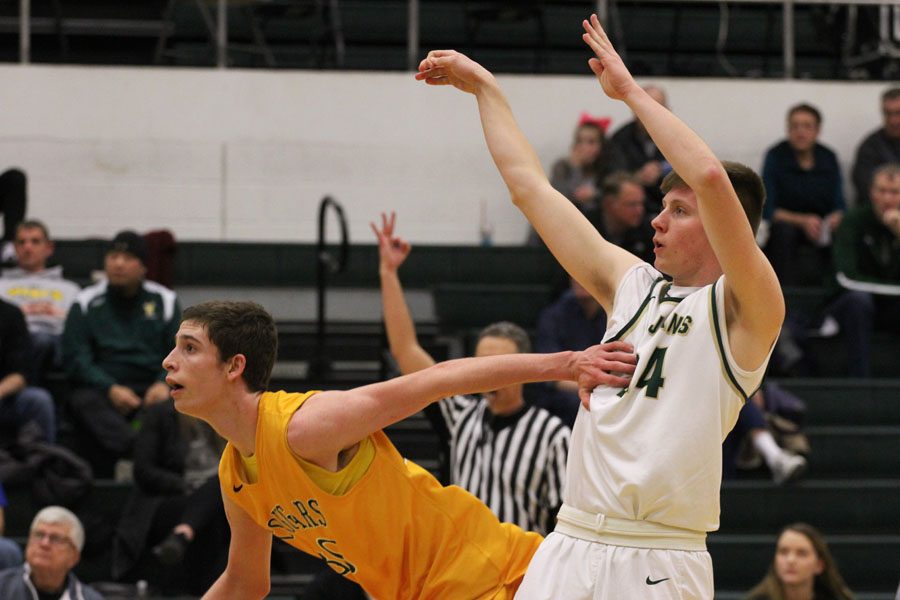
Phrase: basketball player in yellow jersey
(316, 471)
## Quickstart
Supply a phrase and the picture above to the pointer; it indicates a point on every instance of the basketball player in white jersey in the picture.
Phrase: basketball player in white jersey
(645, 466)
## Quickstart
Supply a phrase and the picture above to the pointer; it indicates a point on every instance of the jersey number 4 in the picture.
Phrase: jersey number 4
(652, 376)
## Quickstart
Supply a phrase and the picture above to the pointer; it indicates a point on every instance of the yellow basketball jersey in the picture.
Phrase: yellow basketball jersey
(397, 532)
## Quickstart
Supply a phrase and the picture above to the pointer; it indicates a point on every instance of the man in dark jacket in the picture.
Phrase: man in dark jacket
(880, 147)
(116, 335)
(19, 402)
(633, 151)
(54, 548)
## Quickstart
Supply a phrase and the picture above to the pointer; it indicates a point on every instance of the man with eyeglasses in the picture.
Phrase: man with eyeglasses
(54, 548)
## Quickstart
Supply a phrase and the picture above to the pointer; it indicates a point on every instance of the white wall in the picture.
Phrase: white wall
(246, 155)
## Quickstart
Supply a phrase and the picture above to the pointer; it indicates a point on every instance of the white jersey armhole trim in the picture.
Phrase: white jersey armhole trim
(744, 382)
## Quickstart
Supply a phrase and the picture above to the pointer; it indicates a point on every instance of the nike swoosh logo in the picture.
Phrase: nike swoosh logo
(238, 488)
(651, 582)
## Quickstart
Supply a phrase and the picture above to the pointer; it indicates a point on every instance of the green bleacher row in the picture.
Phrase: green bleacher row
(471, 285)
(752, 512)
(237, 264)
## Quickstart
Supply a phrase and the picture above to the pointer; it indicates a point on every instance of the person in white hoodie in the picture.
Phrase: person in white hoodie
(40, 292)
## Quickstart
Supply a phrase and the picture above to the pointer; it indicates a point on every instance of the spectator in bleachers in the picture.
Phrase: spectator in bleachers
(623, 218)
(803, 569)
(578, 176)
(634, 151)
(53, 550)
(867, 265)
(176, 512)
(880, 147)
(751, 435)
(41, 293)
(575, 321)
(495, 439)
(20, 402)
(13, 186)
(804, 195)
(10, 553)
(116, 335)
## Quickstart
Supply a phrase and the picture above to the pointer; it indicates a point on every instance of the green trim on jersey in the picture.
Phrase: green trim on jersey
(664, 294)
(720, 344)
(637, 315)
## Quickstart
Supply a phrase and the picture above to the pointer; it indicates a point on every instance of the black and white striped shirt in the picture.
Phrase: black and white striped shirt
(515, 464)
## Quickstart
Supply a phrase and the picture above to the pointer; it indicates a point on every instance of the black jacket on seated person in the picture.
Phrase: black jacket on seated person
(160, 454)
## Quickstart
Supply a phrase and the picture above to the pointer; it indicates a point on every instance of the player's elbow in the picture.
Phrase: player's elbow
(527, 189)
(712, 174)
(260, 591)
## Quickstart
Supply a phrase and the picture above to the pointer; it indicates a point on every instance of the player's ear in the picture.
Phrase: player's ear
(236, 366)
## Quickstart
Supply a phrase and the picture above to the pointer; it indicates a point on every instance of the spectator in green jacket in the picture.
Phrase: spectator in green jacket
(117, 333)
(867, 264)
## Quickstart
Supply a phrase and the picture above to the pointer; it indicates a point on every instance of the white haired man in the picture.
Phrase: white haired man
(54, 548)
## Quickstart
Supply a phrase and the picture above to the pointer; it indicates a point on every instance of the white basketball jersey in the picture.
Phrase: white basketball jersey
(654, 450)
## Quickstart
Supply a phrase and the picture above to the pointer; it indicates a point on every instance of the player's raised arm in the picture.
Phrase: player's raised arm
(754, 302)
(332, 421)
(595, 263)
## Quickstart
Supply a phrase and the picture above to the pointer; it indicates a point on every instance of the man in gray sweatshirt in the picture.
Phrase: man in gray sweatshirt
(41, 293)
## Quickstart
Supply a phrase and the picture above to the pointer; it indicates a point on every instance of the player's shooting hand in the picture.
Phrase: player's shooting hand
(449, 67)
(614, 77)
(392, 250)
(610, 364)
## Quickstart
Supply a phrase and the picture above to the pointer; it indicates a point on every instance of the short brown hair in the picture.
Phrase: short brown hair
(747, 184)
(889, 170)
(507, 331)
(890, 94)
(612, 185)
(807, 108)
(240, 328)
(33, 224)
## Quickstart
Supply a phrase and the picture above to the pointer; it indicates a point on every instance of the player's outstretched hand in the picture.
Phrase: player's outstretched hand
(449, 67)
(392, 250)
(610, 364)
(615, 79)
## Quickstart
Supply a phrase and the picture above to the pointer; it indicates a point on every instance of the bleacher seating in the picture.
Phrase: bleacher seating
(850, 490)
(660, 38)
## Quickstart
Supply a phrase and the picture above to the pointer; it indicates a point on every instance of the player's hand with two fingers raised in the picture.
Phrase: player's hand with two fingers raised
(615, 79)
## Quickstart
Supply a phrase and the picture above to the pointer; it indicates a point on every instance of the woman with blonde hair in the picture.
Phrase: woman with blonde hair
(803, 569)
